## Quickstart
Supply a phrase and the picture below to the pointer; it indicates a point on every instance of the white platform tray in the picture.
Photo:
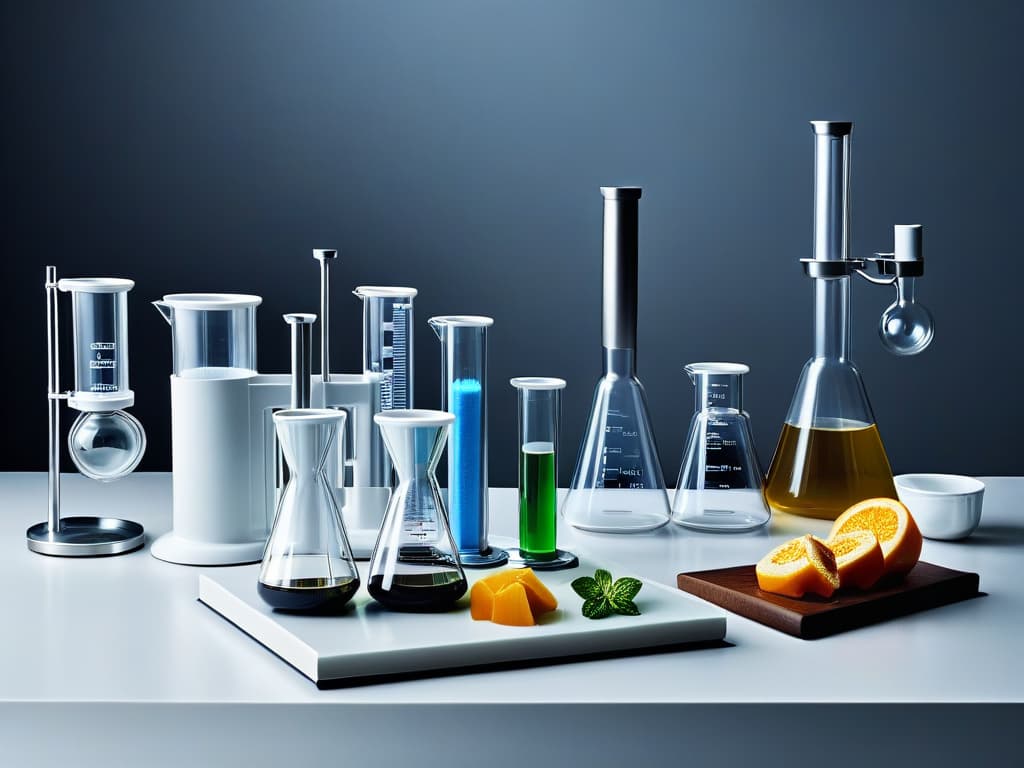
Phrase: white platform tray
(368, 641)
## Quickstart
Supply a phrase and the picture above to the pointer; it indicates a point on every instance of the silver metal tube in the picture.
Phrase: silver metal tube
(831, 185)
(619, 295)
(302, 358)
(53, 401)
(831, 236)
(325, 256)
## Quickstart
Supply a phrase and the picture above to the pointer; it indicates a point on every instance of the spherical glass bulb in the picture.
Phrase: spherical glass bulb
(106, 446)
(906, 328)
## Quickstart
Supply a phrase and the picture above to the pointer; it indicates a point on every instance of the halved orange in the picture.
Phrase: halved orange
(893, 526)
(797, 567)
(859, 559)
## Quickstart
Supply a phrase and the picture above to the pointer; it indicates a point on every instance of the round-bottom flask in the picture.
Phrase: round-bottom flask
(720, 486)
(308, 564)
(415, 564)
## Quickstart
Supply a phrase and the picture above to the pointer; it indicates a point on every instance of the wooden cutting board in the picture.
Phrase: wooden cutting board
(735, 589)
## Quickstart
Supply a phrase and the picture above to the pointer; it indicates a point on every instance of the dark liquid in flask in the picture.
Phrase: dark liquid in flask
(309, 595)
(423, 592)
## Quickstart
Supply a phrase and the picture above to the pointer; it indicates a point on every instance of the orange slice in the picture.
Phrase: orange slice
(859, 559)
(797, 567)
(893, 526)
(488, 599)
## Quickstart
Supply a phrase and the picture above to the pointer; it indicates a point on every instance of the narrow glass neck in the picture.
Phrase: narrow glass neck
(718, 392)
(619, 362)
(832, 319)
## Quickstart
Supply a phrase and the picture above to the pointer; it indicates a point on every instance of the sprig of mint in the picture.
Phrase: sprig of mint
(602, 598)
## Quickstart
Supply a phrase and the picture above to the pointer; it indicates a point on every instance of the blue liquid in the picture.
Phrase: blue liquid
(465, 469)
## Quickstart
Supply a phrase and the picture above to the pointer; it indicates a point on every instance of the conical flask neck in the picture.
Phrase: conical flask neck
(620, 363)
(832, 319)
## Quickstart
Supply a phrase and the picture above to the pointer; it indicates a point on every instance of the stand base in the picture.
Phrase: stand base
(491, 558)
(174, 549)
(558, 561)
(86, 537)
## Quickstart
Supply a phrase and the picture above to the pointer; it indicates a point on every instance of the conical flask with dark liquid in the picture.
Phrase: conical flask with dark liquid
(830, 453)
(415, 565)
(618, 485)
(308, 564)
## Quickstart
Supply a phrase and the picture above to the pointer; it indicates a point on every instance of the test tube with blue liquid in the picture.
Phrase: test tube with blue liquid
(464, 392)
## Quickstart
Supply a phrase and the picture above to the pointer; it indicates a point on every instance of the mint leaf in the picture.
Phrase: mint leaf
(624, 589)
(587, 587)
(604, 579)
(596, 608)
(627, 608)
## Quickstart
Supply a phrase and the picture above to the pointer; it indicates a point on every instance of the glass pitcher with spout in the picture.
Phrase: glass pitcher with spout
(721, 486)
(213, 334)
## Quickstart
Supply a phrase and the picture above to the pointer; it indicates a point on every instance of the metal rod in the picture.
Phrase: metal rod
(325, 256)
(619, 296)
(302, 358)
(53, 401)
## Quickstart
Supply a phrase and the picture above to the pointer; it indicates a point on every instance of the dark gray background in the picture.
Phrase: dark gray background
(458, 147)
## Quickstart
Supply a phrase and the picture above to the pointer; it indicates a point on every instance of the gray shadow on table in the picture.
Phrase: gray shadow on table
(993, 536)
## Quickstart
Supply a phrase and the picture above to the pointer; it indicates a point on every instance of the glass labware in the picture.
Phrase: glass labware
(464, 394)
(388, 341)
(830, 454)
(105, 443)
(307, 564)
(415, 564)
(720, 486)
(618, 485)
(540, 404)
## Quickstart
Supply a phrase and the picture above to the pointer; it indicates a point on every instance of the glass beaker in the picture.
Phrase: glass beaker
(464, 394)
(830, 454)
(618, 485)
(387, 341)
(540, 403)
(105, 443)
(307, 564)
(213, 334)
(720, 486)
(415, 564)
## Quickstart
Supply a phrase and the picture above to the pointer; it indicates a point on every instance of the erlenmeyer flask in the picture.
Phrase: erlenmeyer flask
(618, 485)
(415, 565)
(830, 454)
(720, 487)
(307, 564)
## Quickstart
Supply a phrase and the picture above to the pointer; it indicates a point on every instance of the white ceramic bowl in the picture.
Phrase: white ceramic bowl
(945, 507)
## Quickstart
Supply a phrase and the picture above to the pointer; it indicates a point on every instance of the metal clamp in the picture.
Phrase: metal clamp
(831, 269)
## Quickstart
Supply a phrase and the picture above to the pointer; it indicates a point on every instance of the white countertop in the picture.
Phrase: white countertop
(82, 639)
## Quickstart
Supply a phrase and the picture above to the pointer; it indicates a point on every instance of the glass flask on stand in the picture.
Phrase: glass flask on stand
(721, 486)
(830, 454)
(464, 393)
(308, 564)
(415, 564)
(540, 405)
(618, 485)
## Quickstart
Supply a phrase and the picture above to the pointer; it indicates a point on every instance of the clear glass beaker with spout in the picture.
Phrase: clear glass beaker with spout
(618, 485)
(464, 393)
(415, 564)
(720, 486)
(388, 341)
(307, 564)
(830, 454)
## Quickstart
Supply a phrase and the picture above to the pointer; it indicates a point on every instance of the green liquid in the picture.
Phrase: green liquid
(537, 500)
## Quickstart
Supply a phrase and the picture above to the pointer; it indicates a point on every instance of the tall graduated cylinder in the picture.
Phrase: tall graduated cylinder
(464, 391)
(214, 352)
(388, 341)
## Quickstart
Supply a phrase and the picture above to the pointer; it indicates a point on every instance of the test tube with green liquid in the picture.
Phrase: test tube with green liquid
(540, 401)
